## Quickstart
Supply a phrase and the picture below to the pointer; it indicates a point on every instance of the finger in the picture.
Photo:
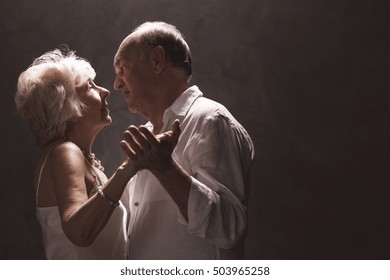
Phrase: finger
(140, 138)
(149, 136)
(126, 148)
(171, 135)
(127, 135)
(176, 126)
(164, 136)
(175, 131)
(133, 143)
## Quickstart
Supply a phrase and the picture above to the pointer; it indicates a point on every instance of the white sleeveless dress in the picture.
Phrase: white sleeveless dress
(111, 243)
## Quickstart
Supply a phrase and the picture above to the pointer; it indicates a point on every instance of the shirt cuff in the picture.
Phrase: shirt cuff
(200, 203)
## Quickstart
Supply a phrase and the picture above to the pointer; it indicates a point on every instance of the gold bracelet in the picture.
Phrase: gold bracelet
(101, 193)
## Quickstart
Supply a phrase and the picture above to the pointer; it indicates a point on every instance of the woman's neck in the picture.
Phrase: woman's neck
(83, 141)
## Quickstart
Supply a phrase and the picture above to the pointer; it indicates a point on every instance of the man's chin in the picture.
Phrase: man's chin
(108, 121)
(132, 109)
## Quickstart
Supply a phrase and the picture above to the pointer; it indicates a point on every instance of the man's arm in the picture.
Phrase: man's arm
(212, 200)
(154, 153)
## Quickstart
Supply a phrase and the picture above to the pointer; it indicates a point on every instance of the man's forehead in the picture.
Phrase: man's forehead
(119, 58)
(127, 51)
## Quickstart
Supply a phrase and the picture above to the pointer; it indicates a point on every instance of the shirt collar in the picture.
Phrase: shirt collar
(183, 103)
(179, 107)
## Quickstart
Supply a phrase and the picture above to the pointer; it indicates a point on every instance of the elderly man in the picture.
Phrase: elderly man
(191, 203)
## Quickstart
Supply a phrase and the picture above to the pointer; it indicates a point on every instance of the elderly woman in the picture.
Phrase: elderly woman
(78, 208)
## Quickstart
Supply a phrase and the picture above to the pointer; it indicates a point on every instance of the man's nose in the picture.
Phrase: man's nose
(118, 83)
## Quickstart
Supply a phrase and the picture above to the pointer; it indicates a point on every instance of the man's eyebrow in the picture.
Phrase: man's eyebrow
(116, 61)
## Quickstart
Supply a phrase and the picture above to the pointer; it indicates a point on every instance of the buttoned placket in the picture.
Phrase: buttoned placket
(141, 181)
(136, 198)
(142, 177)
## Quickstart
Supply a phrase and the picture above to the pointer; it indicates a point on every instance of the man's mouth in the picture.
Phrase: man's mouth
(125, 93)
(104, 108)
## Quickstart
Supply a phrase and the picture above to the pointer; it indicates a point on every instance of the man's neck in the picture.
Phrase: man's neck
(170, 96)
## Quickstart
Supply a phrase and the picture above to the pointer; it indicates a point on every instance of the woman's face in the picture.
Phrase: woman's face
(95, 99)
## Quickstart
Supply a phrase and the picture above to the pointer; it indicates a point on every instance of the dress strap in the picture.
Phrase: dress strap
(40, 175)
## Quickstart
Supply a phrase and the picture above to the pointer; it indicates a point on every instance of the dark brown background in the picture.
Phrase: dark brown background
(308, 79)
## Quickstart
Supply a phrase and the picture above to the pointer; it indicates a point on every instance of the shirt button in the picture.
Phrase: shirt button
(136, 204)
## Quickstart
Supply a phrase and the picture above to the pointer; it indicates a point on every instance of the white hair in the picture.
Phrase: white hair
(46, 94)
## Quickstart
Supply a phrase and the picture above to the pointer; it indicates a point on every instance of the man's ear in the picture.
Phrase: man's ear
(157, 56)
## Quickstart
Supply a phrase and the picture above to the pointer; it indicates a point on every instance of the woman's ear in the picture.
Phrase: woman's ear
(158, 58)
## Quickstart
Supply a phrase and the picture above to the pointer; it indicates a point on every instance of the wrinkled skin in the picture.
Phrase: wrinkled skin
(148, 151)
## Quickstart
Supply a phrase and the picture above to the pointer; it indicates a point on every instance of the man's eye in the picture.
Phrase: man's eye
(121, 70)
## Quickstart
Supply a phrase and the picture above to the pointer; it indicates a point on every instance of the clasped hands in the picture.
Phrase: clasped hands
(149, 151)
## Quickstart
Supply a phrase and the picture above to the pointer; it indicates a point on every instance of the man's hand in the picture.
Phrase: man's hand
(147, 151)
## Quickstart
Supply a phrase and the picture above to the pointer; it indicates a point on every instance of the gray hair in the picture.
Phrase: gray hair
(151, 34)
(46, 96)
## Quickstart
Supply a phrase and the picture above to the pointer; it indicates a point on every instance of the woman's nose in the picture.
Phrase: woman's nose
(104, 92)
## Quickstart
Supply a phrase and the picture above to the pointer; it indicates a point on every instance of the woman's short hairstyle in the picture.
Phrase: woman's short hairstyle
(46, 94)
(157, 33)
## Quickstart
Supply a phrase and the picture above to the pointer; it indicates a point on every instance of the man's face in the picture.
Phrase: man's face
(133, 78)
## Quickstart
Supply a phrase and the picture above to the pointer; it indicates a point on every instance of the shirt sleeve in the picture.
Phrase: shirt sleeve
(220, 158)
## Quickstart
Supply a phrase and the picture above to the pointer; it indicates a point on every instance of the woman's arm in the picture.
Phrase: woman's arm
(83, 218)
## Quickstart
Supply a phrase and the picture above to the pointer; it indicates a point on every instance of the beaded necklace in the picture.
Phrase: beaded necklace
(93, 160)
(98, 185)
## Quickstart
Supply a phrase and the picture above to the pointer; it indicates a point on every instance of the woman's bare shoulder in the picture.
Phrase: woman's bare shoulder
(66, 155)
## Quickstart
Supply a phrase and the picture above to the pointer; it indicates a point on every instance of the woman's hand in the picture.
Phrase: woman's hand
(147, 151)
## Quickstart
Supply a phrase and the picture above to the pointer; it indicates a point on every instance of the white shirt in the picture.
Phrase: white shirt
(216, 151)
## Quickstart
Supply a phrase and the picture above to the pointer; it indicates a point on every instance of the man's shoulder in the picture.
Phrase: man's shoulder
(206, 107)
(204, 110)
